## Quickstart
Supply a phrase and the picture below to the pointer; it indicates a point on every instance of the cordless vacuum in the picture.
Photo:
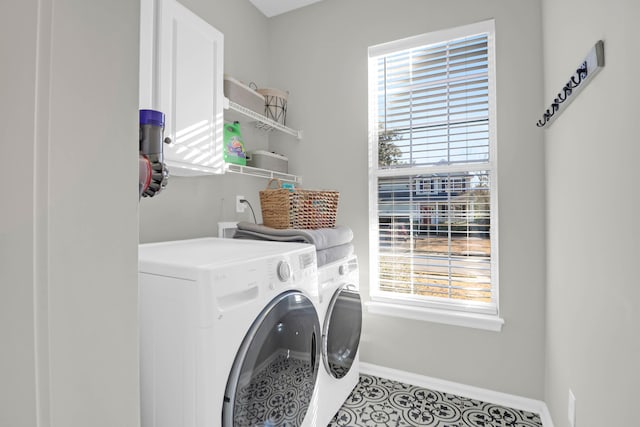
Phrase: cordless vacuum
(154, 174)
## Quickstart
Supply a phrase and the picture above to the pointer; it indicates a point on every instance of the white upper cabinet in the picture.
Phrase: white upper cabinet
(181, 74)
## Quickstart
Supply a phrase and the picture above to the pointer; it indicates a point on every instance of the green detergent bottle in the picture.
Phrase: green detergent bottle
(234, 151)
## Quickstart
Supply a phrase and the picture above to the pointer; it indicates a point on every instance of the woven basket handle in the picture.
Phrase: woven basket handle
(276, 180)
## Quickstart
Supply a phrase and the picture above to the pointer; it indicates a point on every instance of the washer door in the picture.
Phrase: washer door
(275, 370)
(341, 332)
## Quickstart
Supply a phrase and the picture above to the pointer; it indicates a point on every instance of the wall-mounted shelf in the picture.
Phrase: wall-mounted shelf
(234, 111)
(262, 173)
(262, 122)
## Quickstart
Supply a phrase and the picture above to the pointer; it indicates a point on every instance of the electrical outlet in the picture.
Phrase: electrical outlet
(240, 207)
(572, 409)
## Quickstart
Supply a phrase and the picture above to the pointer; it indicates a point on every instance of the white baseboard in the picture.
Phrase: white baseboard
(545, 416)
(509, 400)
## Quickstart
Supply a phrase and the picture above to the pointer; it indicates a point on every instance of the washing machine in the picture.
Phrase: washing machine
(341, 314)
(230, 333)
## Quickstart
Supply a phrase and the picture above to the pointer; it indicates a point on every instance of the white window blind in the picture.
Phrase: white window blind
(432, 173)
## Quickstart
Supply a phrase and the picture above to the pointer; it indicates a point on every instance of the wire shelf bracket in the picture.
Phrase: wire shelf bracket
(262, 122)
(262, 173)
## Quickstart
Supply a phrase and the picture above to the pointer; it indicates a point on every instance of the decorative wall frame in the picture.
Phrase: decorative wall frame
(589, 67)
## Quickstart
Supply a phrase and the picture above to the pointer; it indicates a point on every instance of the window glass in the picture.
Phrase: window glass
(433, 185)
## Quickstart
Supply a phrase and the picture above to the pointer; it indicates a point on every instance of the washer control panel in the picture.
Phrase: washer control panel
(291, 269)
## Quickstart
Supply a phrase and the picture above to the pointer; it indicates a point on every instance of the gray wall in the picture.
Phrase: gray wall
(69, 219)
(319, 54)
(18, 390)
(593, 298)
(193, 206)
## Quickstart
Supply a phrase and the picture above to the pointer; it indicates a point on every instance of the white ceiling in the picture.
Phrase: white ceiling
(276, 7)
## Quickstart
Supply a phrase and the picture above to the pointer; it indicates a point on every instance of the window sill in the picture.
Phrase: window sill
(447, 317)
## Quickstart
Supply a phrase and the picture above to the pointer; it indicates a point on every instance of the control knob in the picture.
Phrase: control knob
(284, 271)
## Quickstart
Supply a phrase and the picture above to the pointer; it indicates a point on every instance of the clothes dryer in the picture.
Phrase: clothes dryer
(341, 311)
(229, 333)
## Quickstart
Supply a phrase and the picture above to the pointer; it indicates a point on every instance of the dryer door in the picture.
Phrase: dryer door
(275, 370)
(341, 332)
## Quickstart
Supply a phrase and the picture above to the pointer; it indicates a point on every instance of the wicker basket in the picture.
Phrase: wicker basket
(294, 208)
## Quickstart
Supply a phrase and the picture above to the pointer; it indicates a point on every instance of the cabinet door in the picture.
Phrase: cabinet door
(189, 89)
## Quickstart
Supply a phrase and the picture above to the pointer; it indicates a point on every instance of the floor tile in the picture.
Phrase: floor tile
(378, 402)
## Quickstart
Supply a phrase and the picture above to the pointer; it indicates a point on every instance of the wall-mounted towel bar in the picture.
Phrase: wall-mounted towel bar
(583, 75)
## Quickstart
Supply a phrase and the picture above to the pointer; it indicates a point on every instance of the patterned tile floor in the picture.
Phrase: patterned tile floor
(277, 395)
(378, 402)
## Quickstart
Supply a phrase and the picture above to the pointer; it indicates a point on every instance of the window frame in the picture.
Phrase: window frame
(468, 314)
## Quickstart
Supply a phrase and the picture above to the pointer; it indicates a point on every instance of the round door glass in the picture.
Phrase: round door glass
(274, 374)
(342, 328)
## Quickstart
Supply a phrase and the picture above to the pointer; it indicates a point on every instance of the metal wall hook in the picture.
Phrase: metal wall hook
(585, 72)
